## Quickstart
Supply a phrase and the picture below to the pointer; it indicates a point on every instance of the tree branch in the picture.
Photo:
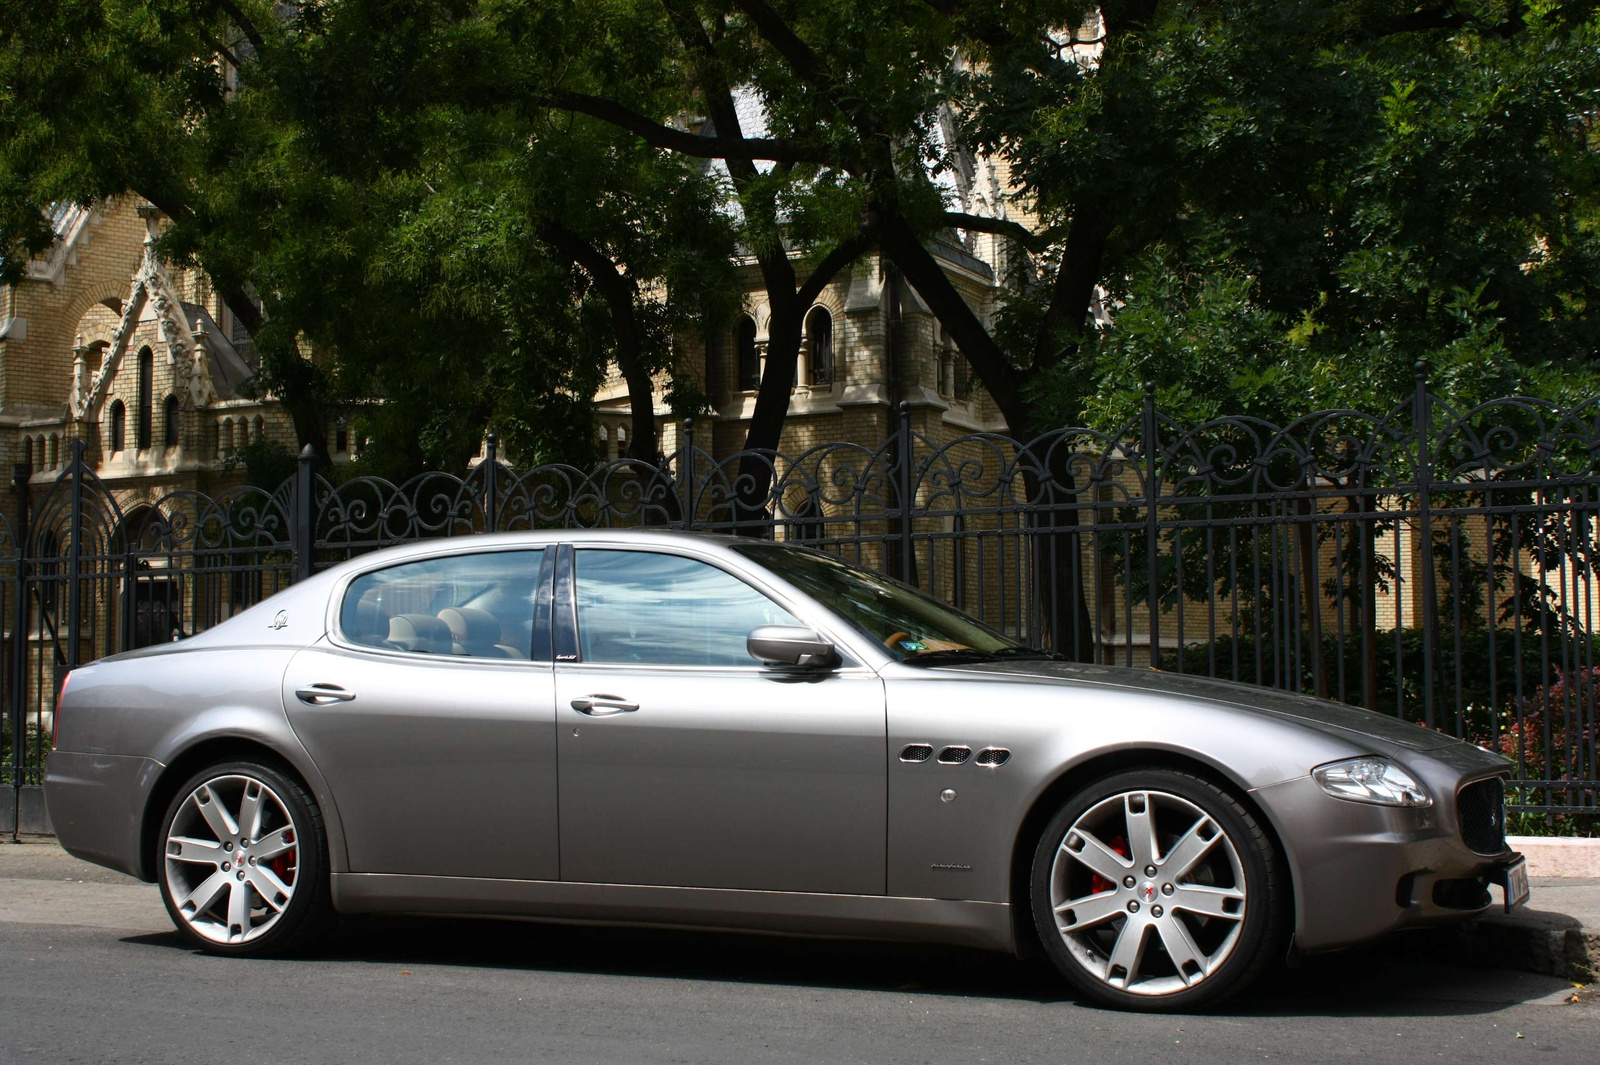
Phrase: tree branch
(620, 293)
(802, 59)
(1003, 381)
(696, 145)
(1075, 280)
(843, 254)
(1002, 227)
(246, 27)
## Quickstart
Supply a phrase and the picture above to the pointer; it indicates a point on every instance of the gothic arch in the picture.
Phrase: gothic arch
(104, 293)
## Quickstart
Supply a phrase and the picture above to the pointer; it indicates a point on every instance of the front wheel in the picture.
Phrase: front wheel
(244, 866)
(1157, 890)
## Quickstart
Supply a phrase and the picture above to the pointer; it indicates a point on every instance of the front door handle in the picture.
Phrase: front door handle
(603, 705)
(321, 694)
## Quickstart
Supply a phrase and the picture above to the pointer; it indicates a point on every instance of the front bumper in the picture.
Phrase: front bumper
(1361, 871)
(97, 804)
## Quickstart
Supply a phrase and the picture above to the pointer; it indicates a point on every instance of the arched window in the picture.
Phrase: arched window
(146, 424)
(341, 436)
(819, 345)
(27, 452)
(622, 442)
(169, 426)
(227, 436)
(261, 430)
(749, 357)
(119, 426)
(55, 451)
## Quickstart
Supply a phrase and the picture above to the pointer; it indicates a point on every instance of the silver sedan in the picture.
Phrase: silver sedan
(679, 730)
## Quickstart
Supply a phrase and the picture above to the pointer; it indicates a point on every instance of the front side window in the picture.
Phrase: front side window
(666, 610)
(911, 625)
(478, 605)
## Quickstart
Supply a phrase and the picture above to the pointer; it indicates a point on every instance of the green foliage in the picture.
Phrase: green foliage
(36, 745)
(267, 464)
(1310, 197)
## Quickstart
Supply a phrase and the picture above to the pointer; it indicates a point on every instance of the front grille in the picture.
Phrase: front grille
(1481, 809)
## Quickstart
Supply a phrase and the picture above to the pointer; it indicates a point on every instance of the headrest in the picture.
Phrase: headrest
(370, 617)
(470, 626)
(419, 632)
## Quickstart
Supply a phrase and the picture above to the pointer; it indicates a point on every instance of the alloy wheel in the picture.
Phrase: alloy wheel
(1148, 892)
(231, 859)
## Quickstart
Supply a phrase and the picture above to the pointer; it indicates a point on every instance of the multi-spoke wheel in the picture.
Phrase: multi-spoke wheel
(1155, 889)
(242, 861)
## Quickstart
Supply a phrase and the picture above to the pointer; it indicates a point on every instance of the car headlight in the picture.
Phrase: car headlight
(1372, 779)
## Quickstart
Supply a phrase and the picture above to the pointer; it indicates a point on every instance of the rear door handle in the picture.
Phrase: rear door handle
(603, 705)
(321, 694)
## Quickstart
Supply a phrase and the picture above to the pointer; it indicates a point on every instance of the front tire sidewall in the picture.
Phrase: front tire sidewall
(308, 908)
(1264, 914)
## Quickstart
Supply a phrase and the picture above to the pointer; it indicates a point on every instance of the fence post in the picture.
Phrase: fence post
(904, 474)
(1430, 601)
(491, 498)
(17, 690)
(75, 561)
(1152, 523)
(686, 473)
(305, 522)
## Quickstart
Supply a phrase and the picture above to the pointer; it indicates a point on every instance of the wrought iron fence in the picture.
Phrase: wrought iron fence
(1431, 563)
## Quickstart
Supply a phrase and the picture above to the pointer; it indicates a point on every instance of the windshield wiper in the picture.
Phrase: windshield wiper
(944, 658)
(1029, 652)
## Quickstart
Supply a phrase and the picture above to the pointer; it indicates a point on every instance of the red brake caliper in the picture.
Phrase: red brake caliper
(284, 864)
(1098, 883)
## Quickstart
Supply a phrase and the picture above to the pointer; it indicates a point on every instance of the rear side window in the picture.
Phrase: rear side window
(478, 605)
(666, 610)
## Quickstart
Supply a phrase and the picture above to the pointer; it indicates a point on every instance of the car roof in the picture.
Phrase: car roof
(482, 541)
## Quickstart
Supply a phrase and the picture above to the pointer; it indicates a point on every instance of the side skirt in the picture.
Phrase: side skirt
(985, 925)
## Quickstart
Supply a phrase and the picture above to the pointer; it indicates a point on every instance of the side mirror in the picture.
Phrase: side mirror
(789, 645)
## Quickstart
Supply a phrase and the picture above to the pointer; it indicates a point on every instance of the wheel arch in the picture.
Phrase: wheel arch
(1103, 763)
(191, 760)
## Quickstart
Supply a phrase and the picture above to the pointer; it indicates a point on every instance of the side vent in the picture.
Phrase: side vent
(955, 755)
(993, 757)
(916, 752)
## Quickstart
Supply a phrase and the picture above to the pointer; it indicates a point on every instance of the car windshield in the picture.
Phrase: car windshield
(912, 626)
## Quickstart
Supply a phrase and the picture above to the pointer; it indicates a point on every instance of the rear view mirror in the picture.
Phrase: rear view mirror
(790, 645)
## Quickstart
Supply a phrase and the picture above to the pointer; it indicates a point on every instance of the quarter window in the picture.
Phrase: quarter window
(477, 605)
(655, 609)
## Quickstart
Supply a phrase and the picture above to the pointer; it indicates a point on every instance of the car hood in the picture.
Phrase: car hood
(1323, 714)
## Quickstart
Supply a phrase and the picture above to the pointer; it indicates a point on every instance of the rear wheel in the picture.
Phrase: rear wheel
(244, 866)
(1157, 890)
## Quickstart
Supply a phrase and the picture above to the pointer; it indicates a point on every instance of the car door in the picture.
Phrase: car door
(686, 763)
(430, 711)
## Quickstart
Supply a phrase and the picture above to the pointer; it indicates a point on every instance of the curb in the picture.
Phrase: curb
(1530, 941)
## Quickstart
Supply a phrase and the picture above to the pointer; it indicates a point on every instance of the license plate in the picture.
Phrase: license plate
(1516, 883)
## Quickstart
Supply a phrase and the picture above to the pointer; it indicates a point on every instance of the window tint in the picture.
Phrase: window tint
(635, 606)
(480, 605)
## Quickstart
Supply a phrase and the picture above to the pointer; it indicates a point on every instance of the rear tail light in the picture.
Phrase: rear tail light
(61, 697)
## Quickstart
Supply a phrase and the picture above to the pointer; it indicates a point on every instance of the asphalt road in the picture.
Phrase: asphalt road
(90, 971)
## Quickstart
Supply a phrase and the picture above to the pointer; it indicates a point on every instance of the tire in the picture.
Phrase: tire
(221, 897)
(1209, 921)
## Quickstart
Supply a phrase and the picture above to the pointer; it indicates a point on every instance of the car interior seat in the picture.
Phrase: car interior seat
(420, 632)
(477, 633)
